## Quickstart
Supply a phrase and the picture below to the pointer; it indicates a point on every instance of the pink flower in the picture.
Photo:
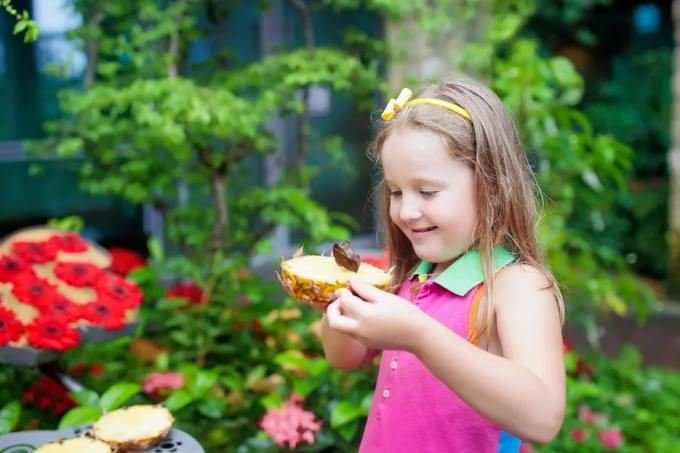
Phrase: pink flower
(586, 415)
(159, 381)
(611, 438)
(291, 424)
(579, 435)
(526, 448)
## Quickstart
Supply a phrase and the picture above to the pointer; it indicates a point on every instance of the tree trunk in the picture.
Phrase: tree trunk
(674, 167)
(428, 57)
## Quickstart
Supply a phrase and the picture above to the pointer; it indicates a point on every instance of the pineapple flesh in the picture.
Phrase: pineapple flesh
(313, 279)
(75, 445)
(134, 428)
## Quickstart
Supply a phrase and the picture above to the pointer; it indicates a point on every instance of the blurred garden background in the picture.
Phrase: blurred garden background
(201, 141)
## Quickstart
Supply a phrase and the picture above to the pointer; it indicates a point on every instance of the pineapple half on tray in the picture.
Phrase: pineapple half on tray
(312, 279)
(129, 429)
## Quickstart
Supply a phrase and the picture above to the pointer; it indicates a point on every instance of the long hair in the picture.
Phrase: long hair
(505, 185)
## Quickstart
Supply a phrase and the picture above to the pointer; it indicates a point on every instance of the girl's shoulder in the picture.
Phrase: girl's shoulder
(521, 284)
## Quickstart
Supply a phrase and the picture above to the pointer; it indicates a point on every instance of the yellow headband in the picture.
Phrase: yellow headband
(403, 101)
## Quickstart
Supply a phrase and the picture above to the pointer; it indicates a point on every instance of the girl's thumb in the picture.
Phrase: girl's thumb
(364, 290)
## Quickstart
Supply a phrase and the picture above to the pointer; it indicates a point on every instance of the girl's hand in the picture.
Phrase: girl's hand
(379, 319)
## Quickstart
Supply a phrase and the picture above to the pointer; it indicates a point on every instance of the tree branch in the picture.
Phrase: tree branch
(305, 13)
(92, 50)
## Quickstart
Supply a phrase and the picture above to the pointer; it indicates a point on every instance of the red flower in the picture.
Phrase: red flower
(62, 308)
(381, 262)
(96, 370)
(33, 290)
(81, 368)
(188, 291)
(567, 345)
(11, 268)
(46, 393)
(124, 261)
(103, 313)
(68, 242)
(51, 333)
(579, 435)
(121, 291)
(78, 369)
(77, 274)
(35, 252)
(611, 438)
(10, 328)
(583, 369)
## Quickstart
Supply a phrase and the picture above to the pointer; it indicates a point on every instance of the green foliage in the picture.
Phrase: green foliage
(9, 416)
(639, 115)
(623, 394)
(581, 173)
(24, 23)
(92, 406)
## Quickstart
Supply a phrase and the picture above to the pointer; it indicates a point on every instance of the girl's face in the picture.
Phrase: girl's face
(432, 195)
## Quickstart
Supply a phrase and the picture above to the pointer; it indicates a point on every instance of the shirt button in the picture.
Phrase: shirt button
(393, 364)
(386, 393)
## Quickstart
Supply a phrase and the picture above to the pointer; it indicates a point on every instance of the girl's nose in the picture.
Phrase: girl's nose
(409, 210)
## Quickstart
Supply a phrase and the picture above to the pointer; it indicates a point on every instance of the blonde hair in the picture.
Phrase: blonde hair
(505, 184)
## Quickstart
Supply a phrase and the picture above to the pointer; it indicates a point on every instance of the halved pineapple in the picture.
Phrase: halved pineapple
(134, 428)
(75, 445)
(313, 279)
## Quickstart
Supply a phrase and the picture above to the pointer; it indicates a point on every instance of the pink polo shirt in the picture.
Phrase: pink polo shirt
(412, 410)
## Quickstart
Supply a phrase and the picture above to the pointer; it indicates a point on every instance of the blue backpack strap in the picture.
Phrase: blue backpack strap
(508, 443)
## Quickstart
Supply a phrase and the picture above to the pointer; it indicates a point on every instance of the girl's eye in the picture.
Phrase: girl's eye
(395, 193)
(428, 193)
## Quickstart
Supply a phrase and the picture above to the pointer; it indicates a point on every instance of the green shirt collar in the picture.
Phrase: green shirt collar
(466, 272)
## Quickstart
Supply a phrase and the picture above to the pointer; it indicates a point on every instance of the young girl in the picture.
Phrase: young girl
(471, 342)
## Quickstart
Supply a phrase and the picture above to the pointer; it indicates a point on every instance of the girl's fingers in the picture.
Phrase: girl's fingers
(338, 321)
(351, 306)
(364, 290)
(342, 292)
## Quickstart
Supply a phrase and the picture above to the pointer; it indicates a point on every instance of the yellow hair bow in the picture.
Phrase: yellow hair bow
(396, 104)
(403, 100)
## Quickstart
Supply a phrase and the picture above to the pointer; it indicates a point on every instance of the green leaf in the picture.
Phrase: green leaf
(178, 400)
(20, 26)
(344, 412)
(9, 416)
(86, 397)
(304, 387)
(212, 408)
(203, 382)
(79, 416)
(118, 394)
(155, 249)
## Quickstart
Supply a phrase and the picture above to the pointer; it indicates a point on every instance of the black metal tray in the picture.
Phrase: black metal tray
(177, 441)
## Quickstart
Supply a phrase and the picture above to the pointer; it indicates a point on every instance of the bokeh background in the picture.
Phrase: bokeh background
(202, 141)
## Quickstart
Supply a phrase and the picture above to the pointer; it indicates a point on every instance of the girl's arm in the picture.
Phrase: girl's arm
(522, 392)
(343, 351)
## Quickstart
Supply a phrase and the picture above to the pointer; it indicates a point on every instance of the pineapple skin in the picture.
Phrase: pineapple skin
(138, 444)
(312, 292)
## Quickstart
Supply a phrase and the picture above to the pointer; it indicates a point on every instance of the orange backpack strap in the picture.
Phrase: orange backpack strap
(473, 335)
